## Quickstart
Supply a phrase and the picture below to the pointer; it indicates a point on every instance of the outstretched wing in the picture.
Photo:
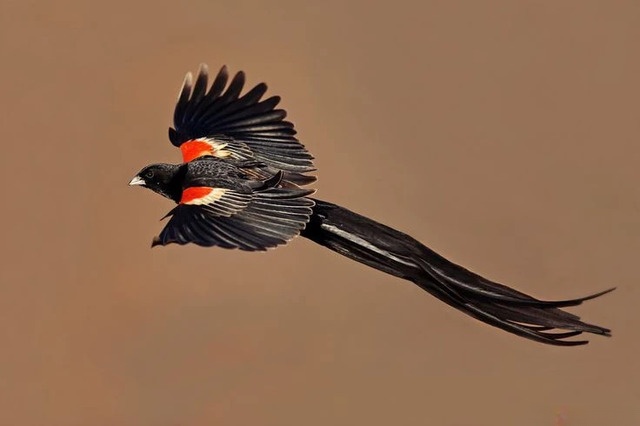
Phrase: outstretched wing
(230, 219)
(218, 121)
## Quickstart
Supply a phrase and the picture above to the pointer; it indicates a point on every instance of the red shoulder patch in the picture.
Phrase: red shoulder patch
(189, 195)
(195, 148)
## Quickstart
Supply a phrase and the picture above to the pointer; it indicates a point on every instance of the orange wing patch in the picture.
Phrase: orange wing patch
(195, 148)
(197, 195)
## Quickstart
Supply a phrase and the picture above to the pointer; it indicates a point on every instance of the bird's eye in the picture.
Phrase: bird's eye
(149, 174)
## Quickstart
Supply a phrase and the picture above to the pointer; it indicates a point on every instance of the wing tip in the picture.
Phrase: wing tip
(203, 69)
(156, 241)
(223, 73)
(187, 84)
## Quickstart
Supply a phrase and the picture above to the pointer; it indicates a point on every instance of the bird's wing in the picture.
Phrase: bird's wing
(226, 218)
(218, 121)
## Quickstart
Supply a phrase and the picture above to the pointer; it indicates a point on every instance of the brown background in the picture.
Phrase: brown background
(503, 134)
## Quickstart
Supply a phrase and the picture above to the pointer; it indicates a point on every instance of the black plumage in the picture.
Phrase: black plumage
(242, 121)
(240, 187)
(374, 244)
(220, 204)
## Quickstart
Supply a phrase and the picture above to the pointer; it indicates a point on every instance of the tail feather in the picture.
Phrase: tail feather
(396, 253)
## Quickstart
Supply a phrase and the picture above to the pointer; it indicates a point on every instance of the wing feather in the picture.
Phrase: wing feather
(246, 123)
(230, 219)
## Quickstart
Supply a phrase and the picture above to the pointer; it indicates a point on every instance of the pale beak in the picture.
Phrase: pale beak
(136, 181)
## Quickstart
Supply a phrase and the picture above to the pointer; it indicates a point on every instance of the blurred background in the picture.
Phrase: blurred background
(502, 134)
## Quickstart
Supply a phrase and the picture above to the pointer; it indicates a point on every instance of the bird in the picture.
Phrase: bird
(242, 185)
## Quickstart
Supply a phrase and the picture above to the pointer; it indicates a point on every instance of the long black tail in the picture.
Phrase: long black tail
(395, 253)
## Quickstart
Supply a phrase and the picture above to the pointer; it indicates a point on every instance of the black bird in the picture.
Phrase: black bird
(239, 186)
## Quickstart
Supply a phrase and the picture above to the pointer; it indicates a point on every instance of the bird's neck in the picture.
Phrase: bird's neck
(173, 188)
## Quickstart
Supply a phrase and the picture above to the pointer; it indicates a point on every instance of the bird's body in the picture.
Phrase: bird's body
(221, 203)
(170, 180)
(240, 186)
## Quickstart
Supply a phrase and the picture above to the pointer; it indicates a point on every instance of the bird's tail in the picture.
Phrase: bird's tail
(396, 253)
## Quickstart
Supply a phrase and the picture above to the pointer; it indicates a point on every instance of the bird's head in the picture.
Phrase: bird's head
(160, 178)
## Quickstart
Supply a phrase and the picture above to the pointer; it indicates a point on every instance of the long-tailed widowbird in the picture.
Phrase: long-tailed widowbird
(240, 186)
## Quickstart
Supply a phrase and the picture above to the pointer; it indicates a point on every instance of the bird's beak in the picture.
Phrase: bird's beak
(137, 180)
